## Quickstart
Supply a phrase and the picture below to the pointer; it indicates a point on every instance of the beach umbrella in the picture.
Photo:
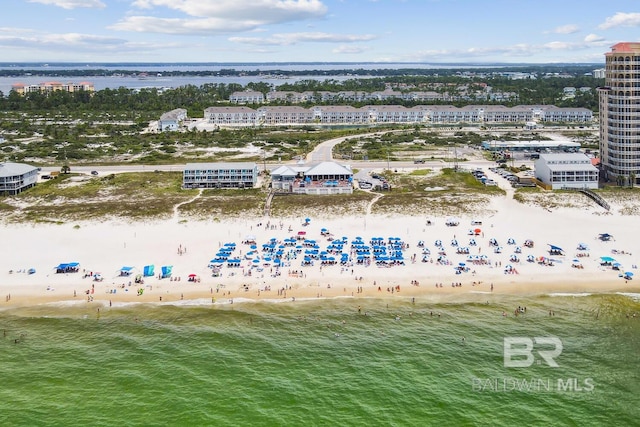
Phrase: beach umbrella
(628, 273)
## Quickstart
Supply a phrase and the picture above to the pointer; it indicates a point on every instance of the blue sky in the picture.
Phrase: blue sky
(511, 31)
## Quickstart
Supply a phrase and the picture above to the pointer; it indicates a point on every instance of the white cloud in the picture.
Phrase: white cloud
(295, 38)
(566, 29)
(514, 51)
(344, 49)
(149, 24)
(593, 38)
(76, 42)
(559, 45)
(268, 11)
(220, 16)
(72, 4)
(621, 19)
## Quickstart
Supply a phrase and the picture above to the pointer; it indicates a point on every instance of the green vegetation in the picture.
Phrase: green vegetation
(446, 193)
(227, 203)
(126, 196)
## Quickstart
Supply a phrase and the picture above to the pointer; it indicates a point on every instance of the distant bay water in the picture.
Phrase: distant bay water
(155, 73)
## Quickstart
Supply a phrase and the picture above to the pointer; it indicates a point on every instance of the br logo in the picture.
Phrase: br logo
(518, 351)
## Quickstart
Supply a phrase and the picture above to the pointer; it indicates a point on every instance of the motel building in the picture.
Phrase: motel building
(566, 170)
(220, 175)
(16, 177)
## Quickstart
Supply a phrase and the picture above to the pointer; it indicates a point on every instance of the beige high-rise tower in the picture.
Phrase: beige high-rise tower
(620, 115)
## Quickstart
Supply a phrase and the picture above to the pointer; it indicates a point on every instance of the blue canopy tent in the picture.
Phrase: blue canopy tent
(126, 271)
(166, 271)
(555, 250)
(148, 270)
(70, 267)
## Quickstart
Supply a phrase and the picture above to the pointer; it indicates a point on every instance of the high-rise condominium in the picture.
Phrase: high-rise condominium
(620, 114)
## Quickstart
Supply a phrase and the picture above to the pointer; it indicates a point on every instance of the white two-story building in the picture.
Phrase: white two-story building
(566, 170)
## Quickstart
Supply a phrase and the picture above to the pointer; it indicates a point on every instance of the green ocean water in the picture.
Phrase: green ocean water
(396, 362)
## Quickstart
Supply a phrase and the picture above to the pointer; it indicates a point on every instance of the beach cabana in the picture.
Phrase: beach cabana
(166, 271)
(70, 267)
(148, 270)
(555, 250)
(607, 259)
(126, 271)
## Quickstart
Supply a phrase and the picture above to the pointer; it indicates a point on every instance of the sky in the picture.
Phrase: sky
(412, 31)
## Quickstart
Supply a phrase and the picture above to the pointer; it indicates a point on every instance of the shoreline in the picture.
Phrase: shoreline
(208, 297)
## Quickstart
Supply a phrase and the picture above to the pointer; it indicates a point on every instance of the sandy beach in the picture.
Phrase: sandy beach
(189, 247)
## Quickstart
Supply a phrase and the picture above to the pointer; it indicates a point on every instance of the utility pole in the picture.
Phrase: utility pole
(388, 162)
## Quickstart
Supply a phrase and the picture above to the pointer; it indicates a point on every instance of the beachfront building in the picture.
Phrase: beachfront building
(620, 114)
(49, 87)
(16, 177)
(566, 170)
(321, 178)
(172, 120)
(220, 175)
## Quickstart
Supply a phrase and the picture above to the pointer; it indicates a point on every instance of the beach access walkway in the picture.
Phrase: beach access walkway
(176, 208)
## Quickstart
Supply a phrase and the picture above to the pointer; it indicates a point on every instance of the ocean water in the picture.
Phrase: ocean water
(397, 362)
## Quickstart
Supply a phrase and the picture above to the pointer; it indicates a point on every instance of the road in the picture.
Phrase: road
(321, 153)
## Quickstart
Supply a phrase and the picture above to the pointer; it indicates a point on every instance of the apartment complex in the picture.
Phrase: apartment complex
(220, 175)
(49, 87)
(374, 114)
(620, 114)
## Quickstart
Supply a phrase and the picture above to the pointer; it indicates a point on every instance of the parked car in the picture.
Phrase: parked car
(94, 172)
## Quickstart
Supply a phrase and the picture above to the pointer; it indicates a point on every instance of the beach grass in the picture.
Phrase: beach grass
(446, 193)
(75, 197)
(226, 203)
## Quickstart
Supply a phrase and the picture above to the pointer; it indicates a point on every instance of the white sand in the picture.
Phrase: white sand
(106, 247)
